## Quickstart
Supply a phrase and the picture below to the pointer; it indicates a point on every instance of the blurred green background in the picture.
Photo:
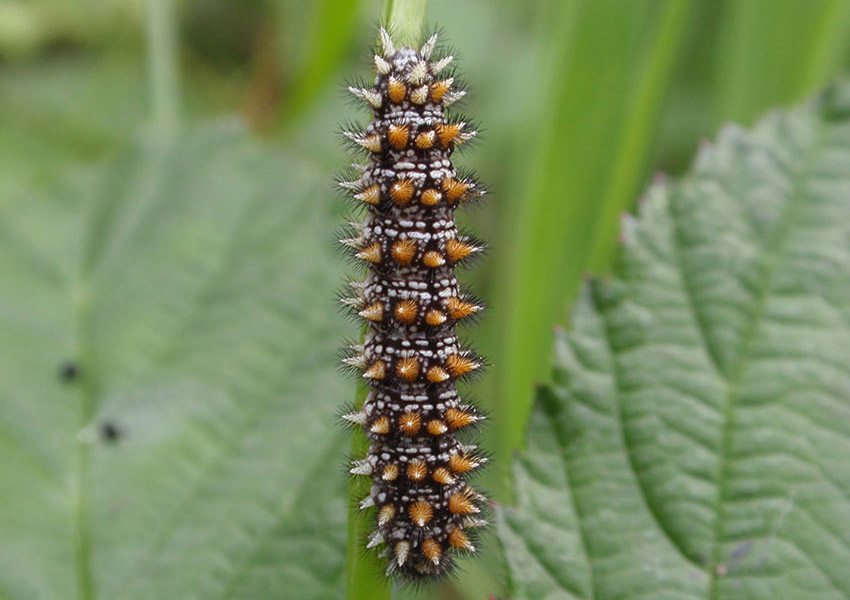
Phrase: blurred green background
(582, 102)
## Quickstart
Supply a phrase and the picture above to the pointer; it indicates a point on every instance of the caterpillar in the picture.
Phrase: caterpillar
(427, 512)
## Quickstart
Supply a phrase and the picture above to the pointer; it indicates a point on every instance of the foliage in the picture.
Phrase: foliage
(116, 245)
(693, 442)
(189, 284)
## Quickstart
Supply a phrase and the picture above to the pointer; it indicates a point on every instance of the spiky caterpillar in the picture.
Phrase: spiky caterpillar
(410, 356)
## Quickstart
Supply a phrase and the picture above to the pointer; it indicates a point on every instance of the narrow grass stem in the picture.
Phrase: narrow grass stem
(404, 20)
(163, 64)
(364, 574)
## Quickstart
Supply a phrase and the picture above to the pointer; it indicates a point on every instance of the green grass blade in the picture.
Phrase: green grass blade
(333, 26)
(776, 51)
(639, 128)
(163, 58)
(404, 19)
(595, 137)
(364, 573)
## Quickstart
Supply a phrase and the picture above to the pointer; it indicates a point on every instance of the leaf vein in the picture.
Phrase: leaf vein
(630, 459)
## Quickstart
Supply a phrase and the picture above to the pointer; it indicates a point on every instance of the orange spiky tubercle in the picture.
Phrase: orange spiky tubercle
(411, 302)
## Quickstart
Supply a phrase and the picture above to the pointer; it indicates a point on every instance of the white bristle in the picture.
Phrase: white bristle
(360, 467)
(350, 185)
(357, 418)
(353, 302)
(418, 73)
(358, 361)
(402, 549)
(352, 242)
(383, 519)
(453, 96)
(376, 539)
(370, 142)
(428, 47)
(441, 64)
(361, 196)
(387, 43)
(370, 96)
(419, 95)
(381, 66)
(471, 522)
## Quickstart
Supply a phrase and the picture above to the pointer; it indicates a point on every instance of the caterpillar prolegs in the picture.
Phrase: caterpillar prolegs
(411, 358)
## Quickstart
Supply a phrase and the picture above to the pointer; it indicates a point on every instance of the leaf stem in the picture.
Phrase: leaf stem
(404, 20)
(364, 573)
(163, 64)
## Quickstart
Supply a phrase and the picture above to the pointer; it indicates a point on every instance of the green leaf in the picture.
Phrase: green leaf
(592, 146)
(694, 441)
(196, 454)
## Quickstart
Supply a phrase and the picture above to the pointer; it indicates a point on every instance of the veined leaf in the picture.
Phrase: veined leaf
(694, 441)
(167, 380)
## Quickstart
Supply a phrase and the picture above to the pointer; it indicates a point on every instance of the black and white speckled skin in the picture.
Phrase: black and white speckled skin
(433, 346)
